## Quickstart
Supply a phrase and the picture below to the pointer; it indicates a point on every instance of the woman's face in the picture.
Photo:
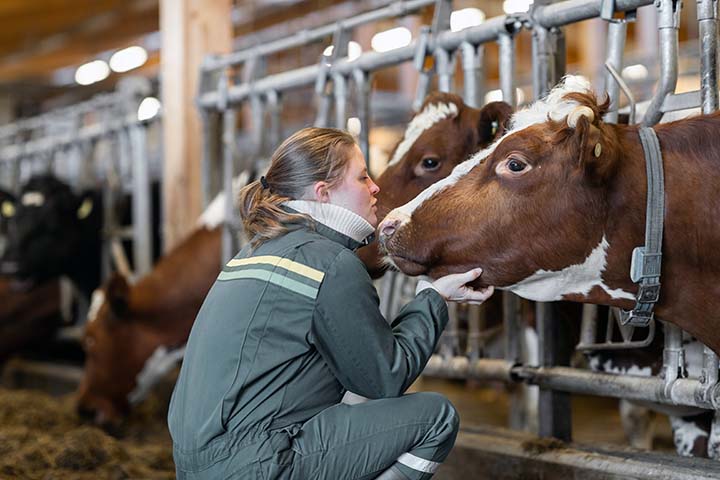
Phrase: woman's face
(356, 191)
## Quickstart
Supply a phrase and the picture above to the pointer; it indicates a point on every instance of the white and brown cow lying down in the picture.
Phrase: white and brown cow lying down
(129, 322)
(549, 220)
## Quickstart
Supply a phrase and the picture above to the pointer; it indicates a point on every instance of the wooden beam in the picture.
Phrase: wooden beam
(190, 29)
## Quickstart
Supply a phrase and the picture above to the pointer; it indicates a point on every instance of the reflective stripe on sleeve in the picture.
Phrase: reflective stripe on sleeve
(417, 463)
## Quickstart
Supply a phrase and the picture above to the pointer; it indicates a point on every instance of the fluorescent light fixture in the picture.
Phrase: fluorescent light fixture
(635, 72)
(497, 96)
(354, 127)
(92, 72)
(128, 58)
(149, 108)
(391, 39)
(354, 50)
(465, 18)
(516, 6)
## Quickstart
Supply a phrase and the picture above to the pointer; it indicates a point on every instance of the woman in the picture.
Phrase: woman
(293, 322)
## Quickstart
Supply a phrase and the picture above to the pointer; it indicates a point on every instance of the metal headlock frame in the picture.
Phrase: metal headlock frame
(117, 118)
(545, 21)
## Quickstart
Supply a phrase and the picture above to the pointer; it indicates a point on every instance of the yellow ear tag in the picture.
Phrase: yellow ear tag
(85, 209)
(598, 150)
(8, 209)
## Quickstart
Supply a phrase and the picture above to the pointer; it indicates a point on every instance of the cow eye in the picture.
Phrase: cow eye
(430, 164)
(513, 166)
(516, 166)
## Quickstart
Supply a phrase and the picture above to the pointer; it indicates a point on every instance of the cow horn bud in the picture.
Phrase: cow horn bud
(575, 115)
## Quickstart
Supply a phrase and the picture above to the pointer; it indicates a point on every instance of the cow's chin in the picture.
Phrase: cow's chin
(405, 265)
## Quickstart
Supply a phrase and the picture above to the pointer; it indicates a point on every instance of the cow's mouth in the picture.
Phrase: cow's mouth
(406, 265)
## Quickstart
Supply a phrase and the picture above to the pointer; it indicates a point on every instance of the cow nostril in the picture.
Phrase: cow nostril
(387, 228)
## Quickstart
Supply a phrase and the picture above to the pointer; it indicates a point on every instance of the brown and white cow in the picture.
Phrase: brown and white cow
(549, 219)
(552, 211)
(127, 323)
(444, 133)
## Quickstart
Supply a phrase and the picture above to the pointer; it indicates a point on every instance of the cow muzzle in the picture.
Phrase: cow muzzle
(390, 225)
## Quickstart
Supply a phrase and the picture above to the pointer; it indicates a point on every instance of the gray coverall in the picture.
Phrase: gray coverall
(285, 330)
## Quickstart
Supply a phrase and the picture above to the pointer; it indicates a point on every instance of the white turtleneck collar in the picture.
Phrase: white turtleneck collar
(338, 218)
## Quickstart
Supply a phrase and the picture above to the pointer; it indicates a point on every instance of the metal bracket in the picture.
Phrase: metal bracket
(644, 265)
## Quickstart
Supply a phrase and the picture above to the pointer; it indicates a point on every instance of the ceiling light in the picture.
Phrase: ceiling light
(128, 58)
(516, 6)
(148, 108)
(354, 50)
(465, 18)
(391, 39)
(92, 72)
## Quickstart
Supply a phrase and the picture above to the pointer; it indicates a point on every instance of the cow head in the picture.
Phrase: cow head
(116, 342)
(530, 209)
(50, 229)
(443, 134)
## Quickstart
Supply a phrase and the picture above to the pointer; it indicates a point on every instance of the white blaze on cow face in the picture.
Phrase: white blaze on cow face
(552, 106)
(548, 286)
(423, 121)
(98, 298)
(33, 199)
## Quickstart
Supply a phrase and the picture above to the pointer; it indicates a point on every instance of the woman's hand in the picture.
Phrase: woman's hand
(453, 287)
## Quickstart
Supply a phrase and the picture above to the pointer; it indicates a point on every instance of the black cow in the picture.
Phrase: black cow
(55, 232)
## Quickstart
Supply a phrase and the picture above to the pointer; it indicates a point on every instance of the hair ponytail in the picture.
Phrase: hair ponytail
(310, 155)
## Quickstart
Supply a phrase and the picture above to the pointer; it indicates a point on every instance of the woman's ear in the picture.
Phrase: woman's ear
(320, 192)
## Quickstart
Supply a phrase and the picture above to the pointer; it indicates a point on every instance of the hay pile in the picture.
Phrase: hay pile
(41, 437)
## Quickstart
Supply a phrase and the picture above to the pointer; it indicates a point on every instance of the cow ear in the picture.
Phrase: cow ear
(595, 152)
(493, 121)
(118, 294)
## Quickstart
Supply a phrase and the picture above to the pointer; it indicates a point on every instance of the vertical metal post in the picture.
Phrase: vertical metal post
(472, 63)
(555, 409)
(445, 64)
(206, 162)
(668, 25)
(228, 141)
(707, 20)
(340, 92)
(274, 108)
(142, 235)
(617, 31)
(362, 85)
(588, 329)
(506, 44)
(543, 61)
(673, 355)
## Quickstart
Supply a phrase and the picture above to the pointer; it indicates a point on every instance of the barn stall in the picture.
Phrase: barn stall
(248, 100)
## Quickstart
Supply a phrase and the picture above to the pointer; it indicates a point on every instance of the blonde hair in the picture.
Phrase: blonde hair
(310, 155)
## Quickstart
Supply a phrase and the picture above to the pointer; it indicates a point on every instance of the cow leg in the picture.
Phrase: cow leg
(637, 422)
(714, 440)
(690, 434)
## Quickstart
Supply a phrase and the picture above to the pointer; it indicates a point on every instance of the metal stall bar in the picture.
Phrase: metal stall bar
(681, 391)
(142, 233)
(617, 31)
(668, 25)
(362, 96)
(506, 43)
(397, 9)
(473, 81)
(550, 15)
(707, 20)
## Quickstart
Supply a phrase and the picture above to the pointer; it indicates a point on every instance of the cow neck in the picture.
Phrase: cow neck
(647, 260)
(181, 279)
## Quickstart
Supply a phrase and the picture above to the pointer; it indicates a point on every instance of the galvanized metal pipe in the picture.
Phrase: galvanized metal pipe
(445, 67)
(472, 63)
(397, 9)
(274, 108)
(506, 43)
(142, 234)
(543, 61)
(707, 26)
(362, 110)
(340, 93)
(228, 144)
(668, 25)
(617, 32)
